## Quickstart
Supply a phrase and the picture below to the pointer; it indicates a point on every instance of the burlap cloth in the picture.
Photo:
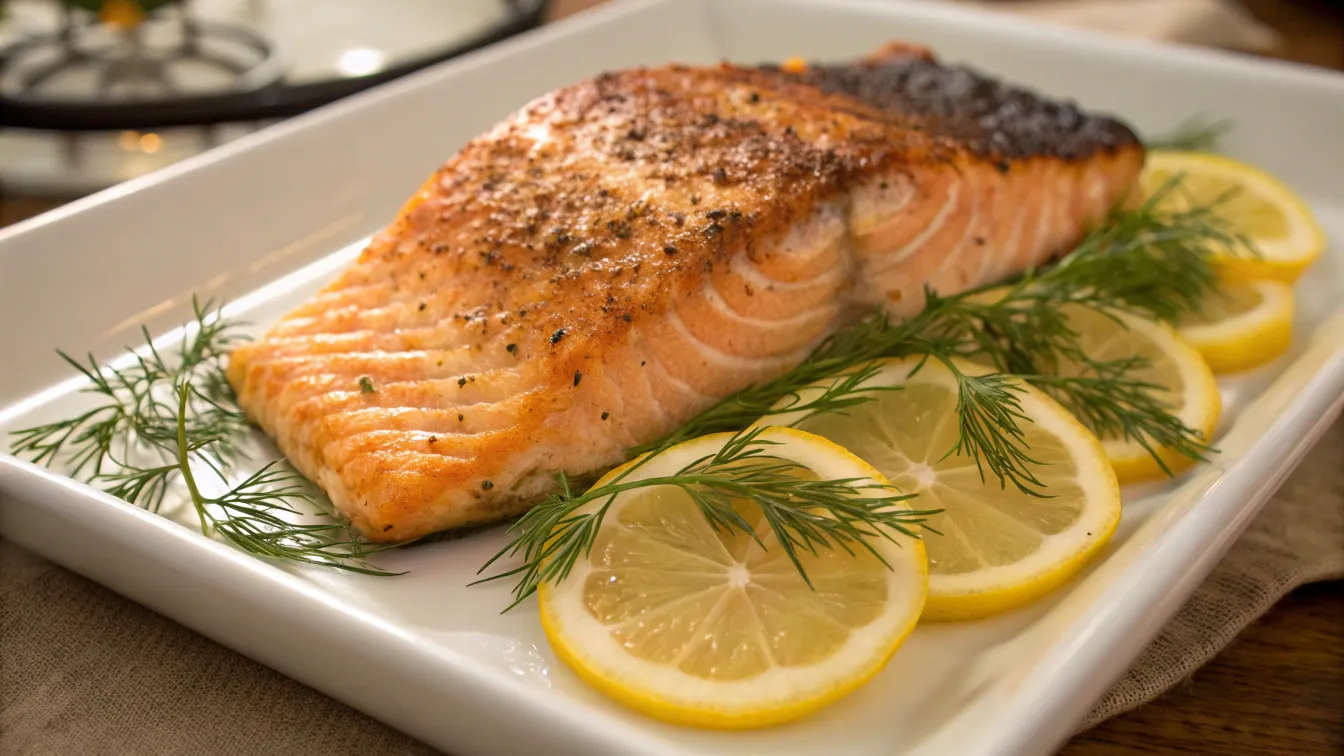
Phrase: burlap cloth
(84, 671)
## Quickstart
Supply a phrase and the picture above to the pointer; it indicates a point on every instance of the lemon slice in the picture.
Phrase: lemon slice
(1244, 325)
(1189, 389)
(1276, 220)
(999, 547)
(708, 628)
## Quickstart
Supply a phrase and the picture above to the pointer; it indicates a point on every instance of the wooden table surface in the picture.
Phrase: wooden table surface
(1279, 689)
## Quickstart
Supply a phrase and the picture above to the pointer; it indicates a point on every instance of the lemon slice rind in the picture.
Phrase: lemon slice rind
(990, 590)
(1200, 409)
(1246, 339)
(777, 695)
(1281, 256)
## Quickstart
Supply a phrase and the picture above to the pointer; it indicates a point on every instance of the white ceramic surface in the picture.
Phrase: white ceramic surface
(273, 214)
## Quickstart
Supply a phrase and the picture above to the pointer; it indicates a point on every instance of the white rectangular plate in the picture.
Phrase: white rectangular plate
(270, 215)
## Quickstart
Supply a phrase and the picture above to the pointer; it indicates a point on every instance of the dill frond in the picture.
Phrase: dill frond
(1197, 134)
(159, 415)
(803, 514)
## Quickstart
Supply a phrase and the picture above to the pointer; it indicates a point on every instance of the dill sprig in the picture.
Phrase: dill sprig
(1113, 405)
(157, 417)
(803, 514)
(1153, 261)
(257, 515)
(134, 410)
(847, 357)
(988, 430)
(1149, 262)
(1196, 134)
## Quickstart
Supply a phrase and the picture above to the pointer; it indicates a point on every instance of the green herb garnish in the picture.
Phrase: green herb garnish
(1149, 261)
(134, 410)
(1197, 134)
(157, 416)
(803, 514)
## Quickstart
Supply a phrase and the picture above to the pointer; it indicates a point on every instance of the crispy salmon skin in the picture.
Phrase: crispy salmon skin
(622, 253)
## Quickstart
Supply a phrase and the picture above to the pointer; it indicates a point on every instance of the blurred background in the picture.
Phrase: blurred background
(95, 92)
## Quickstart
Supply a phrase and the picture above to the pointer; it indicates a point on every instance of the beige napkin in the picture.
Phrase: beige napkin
(1298, 538)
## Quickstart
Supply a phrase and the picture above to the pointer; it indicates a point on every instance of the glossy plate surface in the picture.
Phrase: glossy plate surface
(264, 220)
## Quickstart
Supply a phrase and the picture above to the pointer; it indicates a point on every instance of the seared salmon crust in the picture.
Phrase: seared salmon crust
(622, 253)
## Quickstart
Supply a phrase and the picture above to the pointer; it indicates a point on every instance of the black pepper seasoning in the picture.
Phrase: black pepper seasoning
(578, 376)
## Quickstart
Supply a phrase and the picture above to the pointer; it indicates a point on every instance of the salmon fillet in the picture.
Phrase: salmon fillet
(622, 253)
